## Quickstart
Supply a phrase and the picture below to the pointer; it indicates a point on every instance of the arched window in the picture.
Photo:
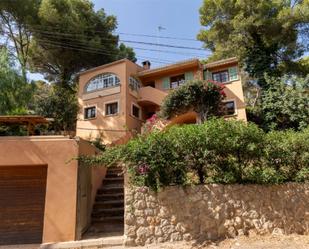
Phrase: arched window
(134, 84)
(102, 81)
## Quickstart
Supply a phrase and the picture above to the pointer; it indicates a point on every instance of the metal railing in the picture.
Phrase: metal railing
(176, 84)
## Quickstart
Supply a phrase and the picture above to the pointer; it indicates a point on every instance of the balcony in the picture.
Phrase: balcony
(150, 96)
(176, 84)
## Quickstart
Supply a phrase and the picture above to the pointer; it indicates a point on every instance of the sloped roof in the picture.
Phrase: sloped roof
(221, 62)
(185, 63)
(107, 65)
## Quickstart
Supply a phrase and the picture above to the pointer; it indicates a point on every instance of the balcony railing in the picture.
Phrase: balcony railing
(176, 84)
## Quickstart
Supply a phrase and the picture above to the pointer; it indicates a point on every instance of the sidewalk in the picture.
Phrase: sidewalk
(254, 242)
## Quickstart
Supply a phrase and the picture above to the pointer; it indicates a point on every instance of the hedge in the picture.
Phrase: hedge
(217, 151)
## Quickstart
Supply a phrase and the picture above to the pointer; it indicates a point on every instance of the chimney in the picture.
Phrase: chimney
(146, 65)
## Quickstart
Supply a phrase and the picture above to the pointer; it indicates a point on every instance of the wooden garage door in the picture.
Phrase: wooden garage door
(22, 199)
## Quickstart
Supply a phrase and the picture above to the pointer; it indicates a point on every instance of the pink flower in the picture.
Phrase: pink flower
(143, 169)
(222, 93)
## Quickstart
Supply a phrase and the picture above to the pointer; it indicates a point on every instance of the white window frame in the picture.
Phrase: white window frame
(235, 105)
(87, 107)
(219, 72)
(228, 73)
(99, 82)
(140, 110)
(134, 84)
(111, 102)
(237, 74)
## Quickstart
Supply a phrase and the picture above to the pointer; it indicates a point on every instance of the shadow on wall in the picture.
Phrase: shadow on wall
(214, 212)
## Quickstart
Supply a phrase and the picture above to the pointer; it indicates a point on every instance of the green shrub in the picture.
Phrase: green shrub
(234, 146)
(302, 175)
(287, 152)
(155, 160)
(98, 143)
(264, 175)
(203, 97)
(217, 151)
(191, 142)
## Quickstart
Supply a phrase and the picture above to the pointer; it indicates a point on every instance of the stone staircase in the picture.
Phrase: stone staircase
(107, 216)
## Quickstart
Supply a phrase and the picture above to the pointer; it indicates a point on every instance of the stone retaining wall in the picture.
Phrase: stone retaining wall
(214, 211)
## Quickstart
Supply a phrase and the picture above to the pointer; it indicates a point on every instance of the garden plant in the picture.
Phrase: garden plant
(217, 151)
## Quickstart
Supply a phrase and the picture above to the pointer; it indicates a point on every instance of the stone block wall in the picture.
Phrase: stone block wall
(214, 211)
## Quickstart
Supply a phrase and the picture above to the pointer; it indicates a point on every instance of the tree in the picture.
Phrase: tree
(70, 37)
(60, 38)
(205, 98)
(299, 68)
(285, 104)
(15, 93)
(15, 16)
(264, 34)
(53, 101)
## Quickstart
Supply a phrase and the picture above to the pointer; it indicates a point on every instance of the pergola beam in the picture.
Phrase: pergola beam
(29, 120)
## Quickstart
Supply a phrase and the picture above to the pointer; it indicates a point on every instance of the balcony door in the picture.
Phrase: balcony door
(177, 80)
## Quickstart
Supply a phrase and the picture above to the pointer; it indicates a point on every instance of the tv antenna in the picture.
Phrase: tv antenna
(160, 28)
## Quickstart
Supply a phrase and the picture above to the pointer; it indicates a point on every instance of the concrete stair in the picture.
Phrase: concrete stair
(103, 242)
(107, 216)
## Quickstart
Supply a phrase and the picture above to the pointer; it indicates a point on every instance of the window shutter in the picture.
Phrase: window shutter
(233, 73)
(189, 76)
(166, 83)
(207, 75)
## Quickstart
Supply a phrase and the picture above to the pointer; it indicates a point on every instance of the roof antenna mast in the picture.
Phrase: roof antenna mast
(160, 28)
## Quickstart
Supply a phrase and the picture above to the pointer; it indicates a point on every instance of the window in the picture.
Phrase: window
(135, 111)
(177, 81)
(229, 108)
(207, 75)
(90, 112)
(102, 81)
(151, 84)
(134, 84)
(222, 76)
(111, 108)
(233, 73)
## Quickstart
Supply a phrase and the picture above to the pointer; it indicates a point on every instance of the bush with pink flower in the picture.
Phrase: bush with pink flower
(154, 123)
(203, 97)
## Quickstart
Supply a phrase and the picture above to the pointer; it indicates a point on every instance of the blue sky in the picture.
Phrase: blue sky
(180, 18)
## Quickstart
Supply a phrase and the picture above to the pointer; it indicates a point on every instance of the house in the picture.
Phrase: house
(47, 196)
(115, 99)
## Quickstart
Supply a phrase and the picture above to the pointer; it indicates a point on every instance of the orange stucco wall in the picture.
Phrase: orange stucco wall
(234, 91)
(57, 153)
(150, 94)
(114, 128)
(110, 128)
(158, 78)
(97, 172)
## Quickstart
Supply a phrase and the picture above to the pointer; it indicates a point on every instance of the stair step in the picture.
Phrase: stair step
(109, 197)
(110, 174)
(109, 220)
(118, 178)
(107, 212)
(106, 228)
(114, 170)
(110, 189)
(114, 174)
(109, 204)
(113, 180)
